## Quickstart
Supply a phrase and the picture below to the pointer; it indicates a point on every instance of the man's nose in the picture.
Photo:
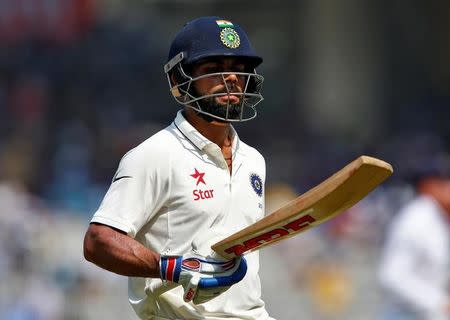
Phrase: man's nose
(231, 77)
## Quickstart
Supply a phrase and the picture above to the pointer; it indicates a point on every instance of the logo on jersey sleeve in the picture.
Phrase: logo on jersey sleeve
(200, 194)
(256, 183)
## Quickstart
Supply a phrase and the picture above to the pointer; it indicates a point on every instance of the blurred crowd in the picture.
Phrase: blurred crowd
(75, 96)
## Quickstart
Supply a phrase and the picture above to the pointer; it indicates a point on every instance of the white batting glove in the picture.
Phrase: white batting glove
(202, 278)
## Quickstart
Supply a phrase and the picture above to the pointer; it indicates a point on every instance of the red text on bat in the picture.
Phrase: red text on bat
(271, 235)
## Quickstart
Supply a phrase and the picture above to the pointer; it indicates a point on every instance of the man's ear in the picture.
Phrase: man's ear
(173, 79)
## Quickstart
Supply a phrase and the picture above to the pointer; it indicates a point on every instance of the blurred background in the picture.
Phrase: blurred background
(82, 81)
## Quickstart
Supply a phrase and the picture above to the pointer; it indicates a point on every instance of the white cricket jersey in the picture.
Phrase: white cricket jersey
(173, 191)
(415, 266)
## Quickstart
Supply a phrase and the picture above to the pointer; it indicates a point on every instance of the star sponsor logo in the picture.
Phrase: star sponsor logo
(198, 193)
(199, 176)
(203, 194)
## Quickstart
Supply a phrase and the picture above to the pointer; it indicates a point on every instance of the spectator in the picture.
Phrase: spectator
(415, 265)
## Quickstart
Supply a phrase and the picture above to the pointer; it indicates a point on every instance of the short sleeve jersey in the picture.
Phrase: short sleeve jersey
(173, 189)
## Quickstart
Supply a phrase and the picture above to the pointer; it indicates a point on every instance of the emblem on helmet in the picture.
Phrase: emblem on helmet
(230, 38)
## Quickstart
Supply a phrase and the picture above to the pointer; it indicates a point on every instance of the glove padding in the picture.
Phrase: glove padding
(202, 278)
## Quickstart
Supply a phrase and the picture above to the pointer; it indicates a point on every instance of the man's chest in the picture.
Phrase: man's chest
(203, 194)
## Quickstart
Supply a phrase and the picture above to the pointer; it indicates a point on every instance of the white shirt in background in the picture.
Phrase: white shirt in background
(415, 265)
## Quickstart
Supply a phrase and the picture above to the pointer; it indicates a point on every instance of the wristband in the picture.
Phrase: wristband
(170, 268)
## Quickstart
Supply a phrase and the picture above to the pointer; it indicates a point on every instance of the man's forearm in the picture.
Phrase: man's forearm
(115, 251)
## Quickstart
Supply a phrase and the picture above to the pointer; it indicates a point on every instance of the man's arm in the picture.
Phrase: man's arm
(202, 278)
(114, 250)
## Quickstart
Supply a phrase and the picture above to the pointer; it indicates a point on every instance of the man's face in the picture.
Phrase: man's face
(226, 84)
(439, 189)
(444, 194)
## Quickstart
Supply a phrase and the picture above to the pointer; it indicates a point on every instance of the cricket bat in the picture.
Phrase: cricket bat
(328, 199)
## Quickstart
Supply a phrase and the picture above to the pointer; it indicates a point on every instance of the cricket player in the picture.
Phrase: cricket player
(415, 267)
(188, 186)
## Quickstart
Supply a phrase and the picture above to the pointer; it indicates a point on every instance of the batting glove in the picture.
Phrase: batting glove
(202, 278)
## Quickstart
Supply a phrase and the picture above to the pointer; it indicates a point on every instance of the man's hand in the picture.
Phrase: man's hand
(202, 278)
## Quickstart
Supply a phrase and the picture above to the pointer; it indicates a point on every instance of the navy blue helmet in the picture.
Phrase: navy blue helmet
(214, 38)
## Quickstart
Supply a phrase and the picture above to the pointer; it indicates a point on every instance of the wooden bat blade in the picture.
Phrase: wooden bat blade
(321, 203)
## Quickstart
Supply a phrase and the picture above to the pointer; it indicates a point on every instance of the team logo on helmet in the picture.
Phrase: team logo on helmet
(256, 183)
(230, 38)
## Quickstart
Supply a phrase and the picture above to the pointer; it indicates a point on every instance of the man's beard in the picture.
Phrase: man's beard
(211, 106)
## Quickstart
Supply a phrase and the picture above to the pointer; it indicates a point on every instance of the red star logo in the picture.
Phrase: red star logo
(199, 176)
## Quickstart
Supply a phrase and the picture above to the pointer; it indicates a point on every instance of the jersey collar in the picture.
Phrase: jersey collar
(196, 137)
(204, 144)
